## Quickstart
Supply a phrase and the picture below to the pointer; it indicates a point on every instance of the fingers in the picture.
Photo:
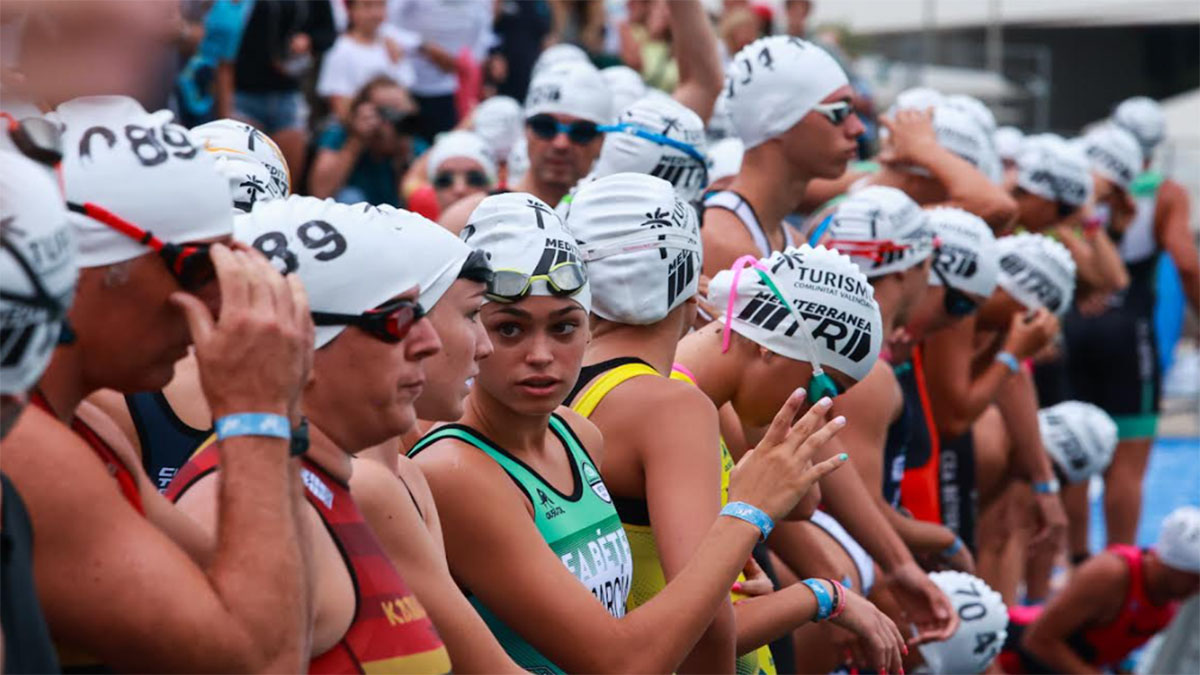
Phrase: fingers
(808, 424)
(200, 320)
(777, 433)
(819, 438)
(822, 469)
(235, 291)
(259, 298)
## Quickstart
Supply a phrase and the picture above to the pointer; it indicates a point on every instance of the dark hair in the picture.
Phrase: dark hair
(364, 94)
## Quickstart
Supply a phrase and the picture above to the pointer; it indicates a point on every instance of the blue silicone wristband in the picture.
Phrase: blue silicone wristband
(953, 549)
(253, 424)
(751, 514)
(1009, 360)
(1046, 487)
(824, 601)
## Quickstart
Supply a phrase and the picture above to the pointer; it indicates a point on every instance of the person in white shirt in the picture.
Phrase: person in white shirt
(369, 48)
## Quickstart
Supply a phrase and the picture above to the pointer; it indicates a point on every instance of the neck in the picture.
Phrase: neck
(63, 383)
(551, 193)
(716, 374)
(326, 453)
(517, 433)
(364, 35)
(771, 186)
(655, 344)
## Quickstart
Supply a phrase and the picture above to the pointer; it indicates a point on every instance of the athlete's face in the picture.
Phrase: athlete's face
(818, 148)
(1034, 212)
(914, 284)
(538, 349)
(767, 383)
(929, 315)
(456, 178)
(559, 161)
(363, 389)
(464, 344)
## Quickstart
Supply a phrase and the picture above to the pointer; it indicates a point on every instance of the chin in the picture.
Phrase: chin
(439, 409)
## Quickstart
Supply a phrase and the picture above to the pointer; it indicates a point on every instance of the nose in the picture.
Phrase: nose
(854, 126)
(483, 343)
(561, 142)
(422, 341)
(539, 354)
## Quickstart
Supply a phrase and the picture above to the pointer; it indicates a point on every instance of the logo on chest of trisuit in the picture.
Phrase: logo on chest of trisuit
(592, 478)
(547, 505)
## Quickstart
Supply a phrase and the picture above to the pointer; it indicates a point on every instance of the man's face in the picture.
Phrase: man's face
(797, 17)
(817, 147)
(559, 160)
(367, 15)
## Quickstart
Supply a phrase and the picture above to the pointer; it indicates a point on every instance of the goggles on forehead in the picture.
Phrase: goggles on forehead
(564, 279)
(640, 242)
(822, 384)
(879, 250)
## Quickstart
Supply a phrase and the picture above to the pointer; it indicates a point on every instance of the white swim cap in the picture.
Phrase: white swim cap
(982, 628)
(720, 125)
(248, 159)
(37, 270)
(1114, 153)
(843, 329)
(353, 257)
(1054, 169)
(520, 233)
(975, 109)
(642, 245)
(1143, 117)
(625, 84)
(725, 159)
(461, 144)
(1037, 271)
(968, 256)
(1079, 437)
(559, 54)
(573, 88)
(773, 82)
(1008, 142)
(518, 161)
(882, 230)
(145, 169)
(660, 137)
(918, 98)
(1178, 544)
(500, 122)
(958, 132)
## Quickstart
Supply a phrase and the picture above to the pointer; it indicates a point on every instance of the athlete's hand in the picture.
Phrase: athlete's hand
(1027, 337)
(923, 603)
(777, 472)
(756, 582)
(255, 357)
(1052, 518)
(962, 561)
(911, 136)
(879, 645)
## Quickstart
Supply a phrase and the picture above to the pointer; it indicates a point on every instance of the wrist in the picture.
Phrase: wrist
(262, 424)
(1046, 487)
(953, 549)
(1009, 361)
(752, 515)
(822, 590)
(233, 407)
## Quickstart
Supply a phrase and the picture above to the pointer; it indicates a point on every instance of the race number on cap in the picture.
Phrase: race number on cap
(642, 247)
(1079, 437)
(353, 257)
(982, 628)
(967, 255)
(1037, 271)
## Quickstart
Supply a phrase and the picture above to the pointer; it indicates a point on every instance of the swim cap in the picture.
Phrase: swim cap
(1037, 271)
(142, 167)
(642, 245)
(37, 270)
(559, 54)
(518, 161)
(837, 303)
(1178, 544)
(958, 132)
(975, 109)
(773, 82)
(1008, 142)
(1079, 437)
(968, 256)
(1053, 169)
(882, 230)
(725, 159)
(248, 159)
(982, 628)
(625, 84)
(575, 89)
(521, 233)
(1143, 117)
(1114, 153)
(660, 137)
(353, 257)
(499, 121)
(720, 125)
(461, 144)
(918, 98)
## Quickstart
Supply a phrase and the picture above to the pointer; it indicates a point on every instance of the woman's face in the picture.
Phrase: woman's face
(464, 344)
(538, 346)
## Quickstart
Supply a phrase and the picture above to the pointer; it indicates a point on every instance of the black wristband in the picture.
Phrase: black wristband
(299, 444)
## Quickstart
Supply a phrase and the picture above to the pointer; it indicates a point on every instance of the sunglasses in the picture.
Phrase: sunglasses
(36, 138)
(547, 128)
(955, 302)
(390, 322)
(508, 286)
(836, 112)
(821, 384)
(190, 264)
(473, 178)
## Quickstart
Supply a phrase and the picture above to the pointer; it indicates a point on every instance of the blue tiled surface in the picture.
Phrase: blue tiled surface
(1172, 480)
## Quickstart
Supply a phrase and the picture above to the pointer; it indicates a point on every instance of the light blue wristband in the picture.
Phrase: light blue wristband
(253, 424)
(824, 601)
(1009, 360)
(1046, 487)
(952, 549)
(751, 514)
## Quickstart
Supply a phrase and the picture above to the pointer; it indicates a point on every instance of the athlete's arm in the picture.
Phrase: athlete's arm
(388, 506)
(1087, 268)
(1175, 236)
(700, 74)
(725, 240)
(1095, 591)
(1108, 259)
(819, 191)
(681, 466)
(531, 589)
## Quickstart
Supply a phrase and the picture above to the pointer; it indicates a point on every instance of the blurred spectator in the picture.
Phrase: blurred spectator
(445, 30)
(737, 29)
(521, 27)
(363, 160)
(369, 48)
(766, 18)
(634, 33)
(659, 69)
(797, 12)
(281, 42)
(579, 22)
(459, 166)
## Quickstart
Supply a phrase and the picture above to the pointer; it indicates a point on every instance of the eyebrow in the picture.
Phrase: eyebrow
(514, 312)
(567, 310)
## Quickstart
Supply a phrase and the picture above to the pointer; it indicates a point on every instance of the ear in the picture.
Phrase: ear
(765, 355)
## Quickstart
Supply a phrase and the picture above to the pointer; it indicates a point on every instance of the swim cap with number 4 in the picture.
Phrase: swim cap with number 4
(982, 628)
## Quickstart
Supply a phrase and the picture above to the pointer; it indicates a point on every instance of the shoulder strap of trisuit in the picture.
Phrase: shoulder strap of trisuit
(587, 401)
(1146, 183)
